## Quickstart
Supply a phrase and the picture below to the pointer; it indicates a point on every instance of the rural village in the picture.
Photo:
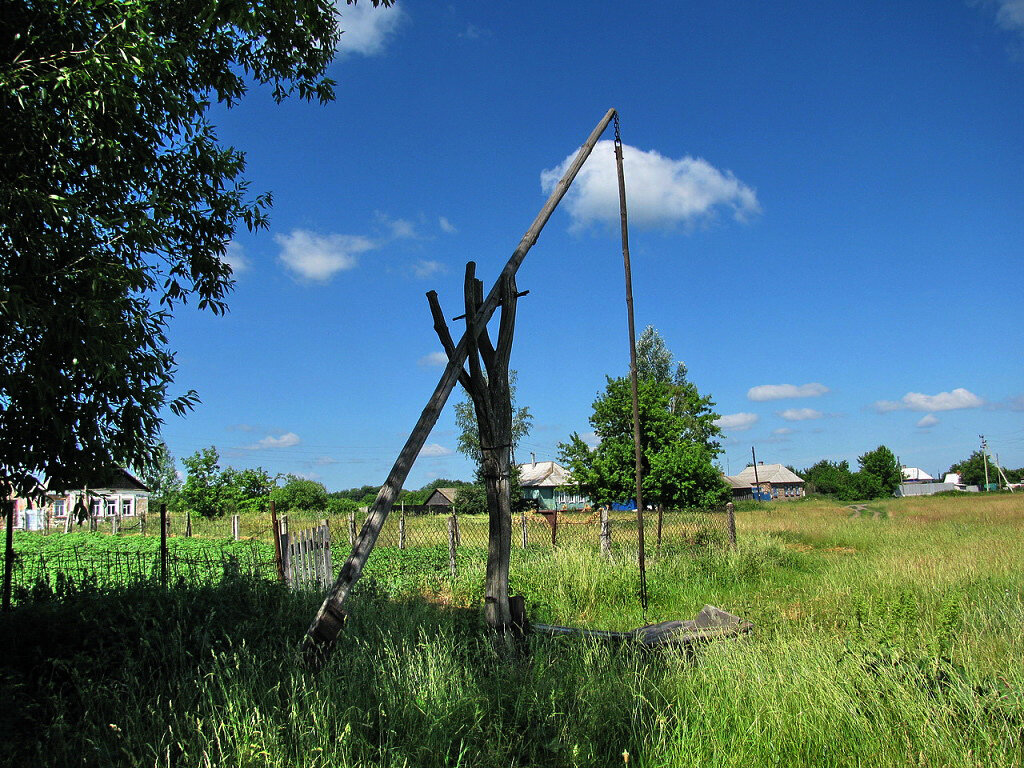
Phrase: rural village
(307, 460)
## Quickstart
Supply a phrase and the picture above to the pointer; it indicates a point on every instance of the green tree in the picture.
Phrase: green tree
(248, 490)
(831, 478)
(972, 470)
(204, 491)
(118, 204)
(678, 437)
(300, 493)
(881, 473)
(163, 479)
(469, 436)
(471, 500)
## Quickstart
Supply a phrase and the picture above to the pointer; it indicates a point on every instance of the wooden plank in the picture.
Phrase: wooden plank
(328, 621)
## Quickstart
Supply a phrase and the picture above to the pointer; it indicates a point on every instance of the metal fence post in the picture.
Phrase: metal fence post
(401, 529)
(235, 527)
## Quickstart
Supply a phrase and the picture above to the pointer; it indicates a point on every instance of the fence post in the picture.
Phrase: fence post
(401, 529)
(142, 521)
(451, 542)
(522, 522)
(554, 528)
(163, 544)
(8, 552)
(235, 528)
(275, 529)
(114, 527)
(661, 517)
(606, 533)
(188, 523)
(730, 510)
(285, 539)
(351, 528)
(326, 565)
(458, 530)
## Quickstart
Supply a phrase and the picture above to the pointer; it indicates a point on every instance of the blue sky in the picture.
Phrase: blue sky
(827, 226)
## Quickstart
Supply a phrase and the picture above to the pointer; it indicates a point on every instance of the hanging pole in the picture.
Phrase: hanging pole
(632, 370)
(330, 617)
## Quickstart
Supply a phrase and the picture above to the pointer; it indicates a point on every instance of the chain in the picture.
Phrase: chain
(618, 135)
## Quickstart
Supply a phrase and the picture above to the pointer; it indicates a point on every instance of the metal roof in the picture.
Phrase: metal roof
(768, 473)
(913, 473)
(543, 474)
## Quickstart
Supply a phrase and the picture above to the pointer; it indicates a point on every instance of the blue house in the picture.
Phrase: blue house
(540, 481)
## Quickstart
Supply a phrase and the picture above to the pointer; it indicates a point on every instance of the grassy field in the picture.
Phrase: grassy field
(885, 638)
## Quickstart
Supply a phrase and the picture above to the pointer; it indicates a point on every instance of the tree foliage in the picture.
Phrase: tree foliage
(118, 203)
(469, 435)
(210, 490)
(678, 437)
(162, 478)
(300, 493)
(879, 476)
(972, 469)
(880, 471)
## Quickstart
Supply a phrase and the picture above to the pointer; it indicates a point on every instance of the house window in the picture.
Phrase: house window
(111, 507)
(95, 507)
(126, 507)
(58, 508)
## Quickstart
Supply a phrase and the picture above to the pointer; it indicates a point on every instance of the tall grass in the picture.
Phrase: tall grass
(889, 641)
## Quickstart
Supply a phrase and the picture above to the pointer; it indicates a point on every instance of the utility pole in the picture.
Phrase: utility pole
(984, 455)
(757, 482)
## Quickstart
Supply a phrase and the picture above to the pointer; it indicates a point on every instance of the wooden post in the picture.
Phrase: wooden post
(606, 533)
(451, 543)
(8, 505)
(730, 510)
(188, 523)
(351, 528)
(69, 514)
(276, 528)
(287, 569)
(114, 527)
(522, 522)
(142, 521)
(401, 529)
(235, 527)
(661, 516)
(163, 544)
(458, 530)
(329, 619)
(554, 528)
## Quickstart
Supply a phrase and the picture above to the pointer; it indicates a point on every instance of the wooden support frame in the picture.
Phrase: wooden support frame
(329, 619)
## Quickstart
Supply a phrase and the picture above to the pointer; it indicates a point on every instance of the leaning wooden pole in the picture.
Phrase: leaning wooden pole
(330, 617)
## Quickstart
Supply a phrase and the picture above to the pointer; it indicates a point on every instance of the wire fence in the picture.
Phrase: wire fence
(202, 550)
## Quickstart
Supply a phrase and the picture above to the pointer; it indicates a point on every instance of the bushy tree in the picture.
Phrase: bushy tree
(204, 490)
(300, 493)
(249, 490)
(471, 500)
(118, 203)
(162, 478)
(678, 438)
(972, 469)
(881, 471)
(830, 478)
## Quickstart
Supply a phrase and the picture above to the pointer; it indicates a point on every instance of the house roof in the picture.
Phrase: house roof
(953, 477)
(733, 482)
(913, 473)
(446, 494)
(767, 473)
(118, 479)
(543, 474)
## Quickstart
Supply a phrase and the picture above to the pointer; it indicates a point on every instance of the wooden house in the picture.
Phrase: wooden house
(541, 482)
(117, 494)
(772, 479)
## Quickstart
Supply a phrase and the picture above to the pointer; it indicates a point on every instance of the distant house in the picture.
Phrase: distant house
(116, 494)
(915, 475)
(541, 480)
(773, 479)
(441, 499)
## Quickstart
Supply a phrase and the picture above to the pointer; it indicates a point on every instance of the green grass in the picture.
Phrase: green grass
(880, 641)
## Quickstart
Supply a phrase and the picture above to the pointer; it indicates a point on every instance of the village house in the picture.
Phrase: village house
(441, 500)
(541, 481)
(772, 479)
(117, 494)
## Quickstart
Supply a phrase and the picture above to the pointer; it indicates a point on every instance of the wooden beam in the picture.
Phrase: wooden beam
(328, 621)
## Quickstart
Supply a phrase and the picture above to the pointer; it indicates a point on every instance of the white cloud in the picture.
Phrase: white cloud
(425, 268)
(473, 32)
(1010, 14)
(287, 440)
(782, 431)
(944, 401)
(433, 360)
(235, 258)
(446, 226)
(928, 420)
(660, 191)
(782, 391)
(434, 449)
(737, 422)
(319, 257)
(800, 414)
(399, 229)
(365, 29)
